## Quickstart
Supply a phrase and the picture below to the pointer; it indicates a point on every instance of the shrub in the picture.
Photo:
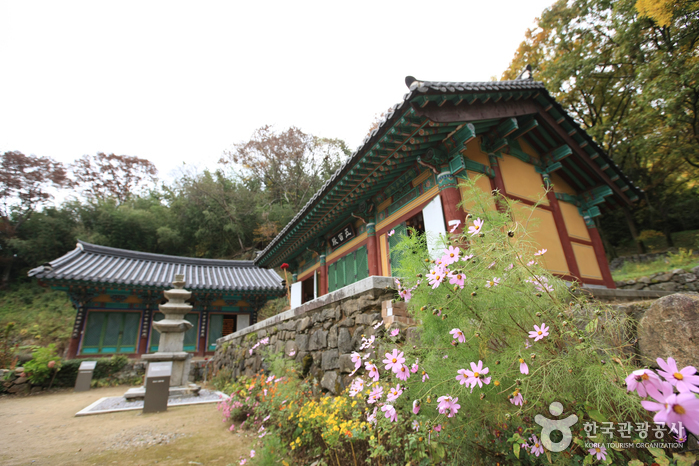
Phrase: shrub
(44, 364)
(104, 369)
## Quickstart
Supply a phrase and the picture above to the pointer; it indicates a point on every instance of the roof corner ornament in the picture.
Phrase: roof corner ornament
(412, 83)
(526, 74)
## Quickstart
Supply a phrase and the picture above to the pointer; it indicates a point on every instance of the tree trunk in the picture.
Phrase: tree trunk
(5, 283)
(611, 251)
(634, 232)
(666, 230)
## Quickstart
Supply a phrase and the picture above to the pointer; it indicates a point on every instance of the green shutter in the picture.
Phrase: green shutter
(340, 271)
(362, 263)
(191, 336)
(331, 277)
(400, 232)
(215, 330)
(350, 271)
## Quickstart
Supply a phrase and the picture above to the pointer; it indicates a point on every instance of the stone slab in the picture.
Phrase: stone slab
(117, 403)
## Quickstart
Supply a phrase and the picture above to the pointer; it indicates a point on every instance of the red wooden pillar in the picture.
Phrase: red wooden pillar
(323, 276)
(372, 249)
(451, 198)
(598, 246)
(497, 183)
(561, 229)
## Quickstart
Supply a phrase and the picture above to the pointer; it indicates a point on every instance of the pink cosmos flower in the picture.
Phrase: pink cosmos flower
(414, 368)
(416, 407)
(598, 450)
(517, 398)
(509, 267)
(540, 252)
(356, 359)
(681, 407)
(394, 361)
(395, 332)
(530, 263)
(389, 412)
(681, 436)
(394, 393)
(659, 393)
(467, 258)
(406, 294)
(373, 371)
(476, 375)
(639, 380)
(292, 353)
(371, 418)
(403, 373)
(425, 376)
(462, 377)
(492, 283)
(684, 379)
(392, 232)
(436, 277)
(367, 343)
(527, 345)
(476, 227)
(378, 324)
(416, 425)
(458, 335)
(537, 447)
(492, 264)
(375, 395)
(243, 461)
(456, 279)
(356, 387)
(450, 256)
(523, 368)
(438, 428)
(454, 408)
(252, 453)
(444, 403)
(539, 332)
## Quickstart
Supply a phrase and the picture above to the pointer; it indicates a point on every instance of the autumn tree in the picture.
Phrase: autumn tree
(291, 165)
(103, 175)
(25, 184)
(628, 72)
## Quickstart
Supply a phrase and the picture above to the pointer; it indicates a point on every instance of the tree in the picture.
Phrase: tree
(117, 176)
(25, 183)
(632, 81)
(290, 166)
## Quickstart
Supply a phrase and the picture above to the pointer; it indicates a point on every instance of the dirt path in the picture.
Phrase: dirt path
(42, 430)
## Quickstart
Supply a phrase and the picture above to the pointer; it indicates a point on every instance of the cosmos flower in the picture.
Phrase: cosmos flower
(394, 393)
(523, 368)
(456, 279)
(425, 376)
(403, 373)
(517, 398)
(462, 377)
(414, 368)
(371, 418)
(367, 343)
(530, 263)
(458, 335)
(392, 232)
(681, 408)
(356, 359)
(539, 332)
(373, 371)
(444, 403)
(598, 450)
(356, 387)
(537, 447)
(378, 324)
(509, 267)
(375, 395)
(467, 258)
(540, 252)
(394, 361)
(684, 380)
(416, 425)
(436, 277)
(450, 256)
(395, 332)
(389, 412)
(406, 294)
(492, 283)
(476, 227)
(252, 453)
(416, 407)
(476, 375)
(639, 380)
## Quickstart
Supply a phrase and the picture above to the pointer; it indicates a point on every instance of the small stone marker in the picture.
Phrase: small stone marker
(85, 371)
(157, 387)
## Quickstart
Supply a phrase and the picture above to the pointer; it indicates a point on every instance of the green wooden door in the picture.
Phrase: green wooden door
(400, 231)
(111, 332)
(361, 261)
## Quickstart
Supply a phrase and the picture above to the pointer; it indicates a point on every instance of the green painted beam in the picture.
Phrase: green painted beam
(524, 129)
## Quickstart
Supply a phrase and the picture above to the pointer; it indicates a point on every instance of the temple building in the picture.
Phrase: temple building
(513, 134)
(117, 292)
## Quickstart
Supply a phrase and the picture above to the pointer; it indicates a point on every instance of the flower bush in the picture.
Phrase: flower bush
(502, 342)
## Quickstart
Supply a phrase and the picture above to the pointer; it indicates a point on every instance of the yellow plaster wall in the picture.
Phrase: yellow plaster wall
(521, 179)
(482, 183)
(574, 222)
(528, 149)
(384, 256)
(474, 152)
(541, 230)
(408, 207)
(587, 261)
(561, 186)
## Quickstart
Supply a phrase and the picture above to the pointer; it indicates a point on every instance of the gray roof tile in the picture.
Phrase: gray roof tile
(102, 264)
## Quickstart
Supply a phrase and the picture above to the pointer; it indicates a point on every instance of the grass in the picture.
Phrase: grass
(655, 242)
(684, 259)
(41, 316)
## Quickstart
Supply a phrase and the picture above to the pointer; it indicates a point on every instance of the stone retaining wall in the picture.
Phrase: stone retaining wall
(321, 334)
(675, 280)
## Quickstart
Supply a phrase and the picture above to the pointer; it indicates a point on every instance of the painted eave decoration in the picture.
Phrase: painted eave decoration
(433, 122)
(90, 264)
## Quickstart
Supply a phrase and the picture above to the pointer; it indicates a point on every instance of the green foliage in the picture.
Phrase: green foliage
(45, 362)
(104, 370)
(8, 346)
(684, 259)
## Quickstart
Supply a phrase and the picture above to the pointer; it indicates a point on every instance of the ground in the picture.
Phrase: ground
(42, 429)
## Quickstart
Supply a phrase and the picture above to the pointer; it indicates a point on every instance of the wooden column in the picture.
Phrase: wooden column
(372, 249)
(323, 269)
(451, 198)
(561, 229)
(497, 183)
(80, 300)
(599, 253)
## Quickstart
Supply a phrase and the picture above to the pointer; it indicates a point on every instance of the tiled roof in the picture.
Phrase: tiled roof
(101, 264)
(421, 88)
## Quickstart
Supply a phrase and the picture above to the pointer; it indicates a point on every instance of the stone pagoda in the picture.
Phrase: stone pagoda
(171, 348)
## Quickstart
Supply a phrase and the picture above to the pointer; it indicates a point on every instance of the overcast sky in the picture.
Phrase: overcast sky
(179, 82)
